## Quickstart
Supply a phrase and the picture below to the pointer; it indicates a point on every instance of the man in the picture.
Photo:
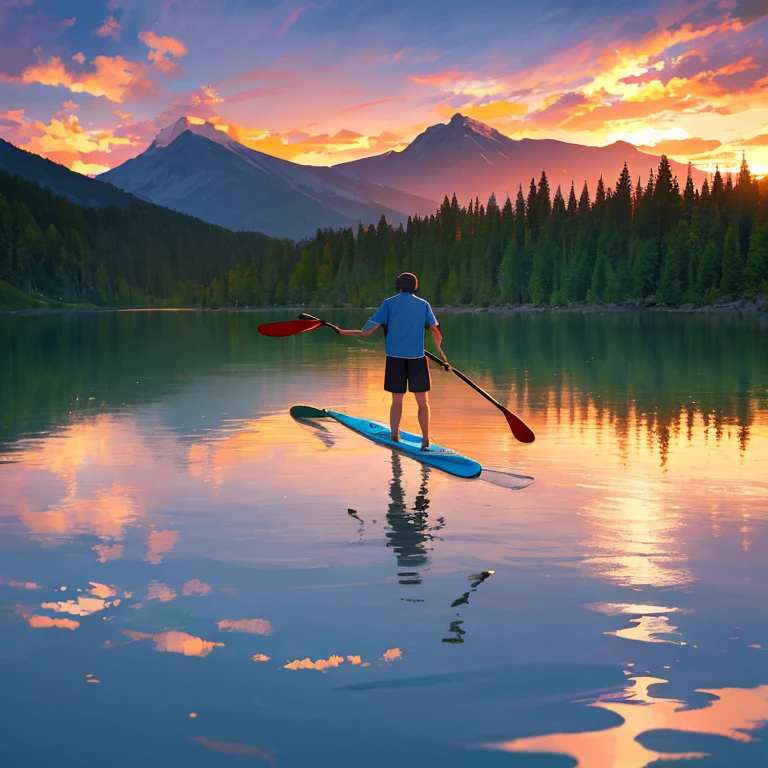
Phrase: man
(404, 318)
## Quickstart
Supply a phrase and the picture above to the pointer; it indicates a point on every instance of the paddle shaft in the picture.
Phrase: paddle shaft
(305, 316)
(466, 380)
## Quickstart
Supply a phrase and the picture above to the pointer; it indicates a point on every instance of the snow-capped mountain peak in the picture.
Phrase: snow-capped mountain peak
(172, 132)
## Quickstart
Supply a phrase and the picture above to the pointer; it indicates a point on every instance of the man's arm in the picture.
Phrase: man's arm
(438, 339)
(359, 334)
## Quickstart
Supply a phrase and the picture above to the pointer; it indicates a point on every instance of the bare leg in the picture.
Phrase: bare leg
(425, 414)
(395, 414)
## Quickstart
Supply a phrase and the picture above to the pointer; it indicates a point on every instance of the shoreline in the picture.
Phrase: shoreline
(756, 305)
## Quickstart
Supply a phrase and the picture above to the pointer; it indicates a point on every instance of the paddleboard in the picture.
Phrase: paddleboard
(445, 459)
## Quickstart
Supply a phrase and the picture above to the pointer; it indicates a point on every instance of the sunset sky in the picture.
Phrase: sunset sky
(89, 84)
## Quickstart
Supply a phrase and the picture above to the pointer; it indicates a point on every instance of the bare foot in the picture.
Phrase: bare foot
(395, 438)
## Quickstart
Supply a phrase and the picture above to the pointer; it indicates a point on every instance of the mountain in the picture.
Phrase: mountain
(472, 159)
(200, 171)
(60, 180)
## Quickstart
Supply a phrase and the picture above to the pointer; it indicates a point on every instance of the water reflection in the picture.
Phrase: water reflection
(235, 749)
(634, 537)
(650, 494)
(174, 642)
(159, 544)
(196, 587)
(251, 626)
(455, 629)
(409, 531)
(37, 621)
(321, 665)
(650, 625)
(733, 713)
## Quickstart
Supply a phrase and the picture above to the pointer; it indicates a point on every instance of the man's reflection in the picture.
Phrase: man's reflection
(410, 535)
(409, 531)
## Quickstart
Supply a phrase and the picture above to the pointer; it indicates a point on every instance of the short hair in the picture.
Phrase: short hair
(408, 282)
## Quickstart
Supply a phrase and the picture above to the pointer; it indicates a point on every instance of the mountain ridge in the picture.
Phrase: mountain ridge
(472, 159)
(83, 190)
(199, 170)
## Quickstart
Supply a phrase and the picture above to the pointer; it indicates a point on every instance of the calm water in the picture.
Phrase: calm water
(189, 577)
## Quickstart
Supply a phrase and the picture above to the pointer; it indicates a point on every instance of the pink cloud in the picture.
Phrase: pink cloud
(367, 104)
(292, 19)
(110, 28)
(161, 51)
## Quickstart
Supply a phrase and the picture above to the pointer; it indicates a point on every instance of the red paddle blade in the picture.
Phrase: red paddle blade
(519, 429)
(288, 328)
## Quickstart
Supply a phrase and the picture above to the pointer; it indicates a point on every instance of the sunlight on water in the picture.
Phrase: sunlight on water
(732, 713)
(165, 524)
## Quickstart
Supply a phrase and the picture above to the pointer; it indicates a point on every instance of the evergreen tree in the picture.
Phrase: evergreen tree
(533, 211)
(757, 260)
(732, 270)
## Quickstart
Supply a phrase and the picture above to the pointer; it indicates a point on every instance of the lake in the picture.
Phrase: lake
(188, 576)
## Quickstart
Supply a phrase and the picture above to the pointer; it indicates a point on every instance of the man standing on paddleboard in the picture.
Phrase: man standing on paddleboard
(404, 318)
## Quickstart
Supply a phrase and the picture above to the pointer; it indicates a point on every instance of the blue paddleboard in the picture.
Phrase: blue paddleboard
(436, 456)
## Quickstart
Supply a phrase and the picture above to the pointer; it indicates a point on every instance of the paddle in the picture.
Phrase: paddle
(519, 429)
(308, 412)
(288, 328)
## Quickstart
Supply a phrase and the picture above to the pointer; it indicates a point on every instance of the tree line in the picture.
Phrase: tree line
(80, 364)
(655, 242)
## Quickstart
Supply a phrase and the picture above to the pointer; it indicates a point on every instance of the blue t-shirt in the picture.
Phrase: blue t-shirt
(405, 316)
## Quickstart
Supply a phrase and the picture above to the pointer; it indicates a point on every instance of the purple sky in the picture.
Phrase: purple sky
(89, 84)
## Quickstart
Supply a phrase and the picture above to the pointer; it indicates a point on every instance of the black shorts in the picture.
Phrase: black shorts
(400, 371)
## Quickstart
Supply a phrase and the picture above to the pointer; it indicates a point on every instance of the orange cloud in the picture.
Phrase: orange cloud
(760, 140)
(684, 147)
(110, 28)
(496, 110)
(68, 136)
(88, 169)
(259, 657)
(612, 60)
(252, 626)
(14, 116)
(113, 77)
(161, 49)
